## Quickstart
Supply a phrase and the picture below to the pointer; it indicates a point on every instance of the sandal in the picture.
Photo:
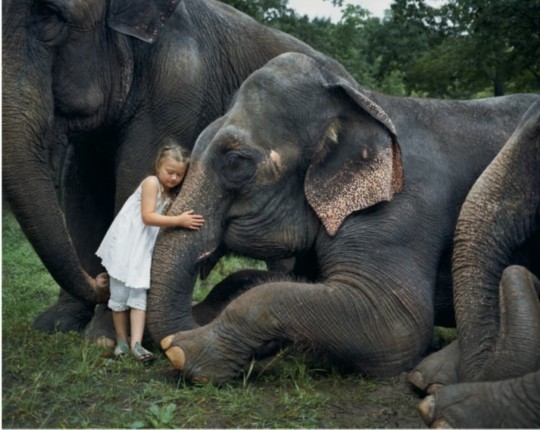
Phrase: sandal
(143, 355)
(122, 348)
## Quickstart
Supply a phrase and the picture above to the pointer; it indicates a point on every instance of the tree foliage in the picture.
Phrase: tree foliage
(461, 49)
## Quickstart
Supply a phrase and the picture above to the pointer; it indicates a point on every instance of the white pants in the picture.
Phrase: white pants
(124, 298)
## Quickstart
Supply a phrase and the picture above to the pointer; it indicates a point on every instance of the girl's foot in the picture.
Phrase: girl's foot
(143, 355)
(122, 348)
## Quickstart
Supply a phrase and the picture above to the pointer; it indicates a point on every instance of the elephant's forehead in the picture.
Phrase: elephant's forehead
(268, 95)
(85, 12)
(291, 63)
(280, 79)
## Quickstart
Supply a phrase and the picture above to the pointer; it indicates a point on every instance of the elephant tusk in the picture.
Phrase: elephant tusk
(177, 357)
(205, 255)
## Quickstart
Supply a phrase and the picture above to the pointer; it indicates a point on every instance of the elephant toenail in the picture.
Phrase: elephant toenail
(416, 379)
(166, 342)
(441, 424)
(176, 356)
(105, 342)
(199, 379)
(426, 408)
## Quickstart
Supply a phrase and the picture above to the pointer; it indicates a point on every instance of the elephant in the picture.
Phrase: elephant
(361, 188)
(490, 376)
(91, 89)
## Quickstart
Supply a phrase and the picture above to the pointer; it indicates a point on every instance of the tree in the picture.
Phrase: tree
(462, 49)
(466, 47)
(505, 35)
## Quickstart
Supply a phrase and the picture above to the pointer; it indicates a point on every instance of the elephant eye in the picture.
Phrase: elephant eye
(50, 25)
(238, 169)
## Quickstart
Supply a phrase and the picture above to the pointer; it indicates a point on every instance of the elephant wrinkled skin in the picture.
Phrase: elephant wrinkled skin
(91, 89)
(495, 380)
(361, 188)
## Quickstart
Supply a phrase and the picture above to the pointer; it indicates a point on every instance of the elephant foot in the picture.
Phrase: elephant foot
(437, 370)
(518, 344)
(508, 403)
(67, 314)
(202, 357)
(101, 328)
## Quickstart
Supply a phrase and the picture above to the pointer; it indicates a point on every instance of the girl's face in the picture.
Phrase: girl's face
(171, 172)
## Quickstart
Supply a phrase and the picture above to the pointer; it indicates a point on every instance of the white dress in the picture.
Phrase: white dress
(126, 249)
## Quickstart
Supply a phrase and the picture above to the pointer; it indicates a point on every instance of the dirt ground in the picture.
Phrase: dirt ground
(390, 403)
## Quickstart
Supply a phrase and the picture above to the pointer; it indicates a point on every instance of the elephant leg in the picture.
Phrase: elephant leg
(227, 290)
(67, 314)
(101, 328)
(86, 195)
(437, 370)
(508, 403)
(335, 319)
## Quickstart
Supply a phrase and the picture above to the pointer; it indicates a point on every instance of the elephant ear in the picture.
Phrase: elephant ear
(358, 162)
(140, 18)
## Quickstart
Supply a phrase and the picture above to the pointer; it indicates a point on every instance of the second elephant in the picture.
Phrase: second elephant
(362, 188)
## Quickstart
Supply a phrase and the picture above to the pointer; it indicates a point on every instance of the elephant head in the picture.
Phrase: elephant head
(67, 69)
(300, 149)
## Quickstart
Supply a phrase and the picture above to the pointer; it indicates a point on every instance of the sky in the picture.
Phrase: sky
(324, 9)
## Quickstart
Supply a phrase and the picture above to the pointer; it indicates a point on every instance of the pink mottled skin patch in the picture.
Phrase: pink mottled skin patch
(349, 191)
(271, 168)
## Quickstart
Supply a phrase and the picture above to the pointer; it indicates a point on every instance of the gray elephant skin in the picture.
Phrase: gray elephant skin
(90, 90)
(363, 189)
(490, 376)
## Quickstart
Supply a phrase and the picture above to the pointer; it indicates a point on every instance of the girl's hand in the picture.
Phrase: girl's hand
(190, 220)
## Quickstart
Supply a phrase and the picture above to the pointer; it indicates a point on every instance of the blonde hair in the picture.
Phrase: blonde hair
(177, 153)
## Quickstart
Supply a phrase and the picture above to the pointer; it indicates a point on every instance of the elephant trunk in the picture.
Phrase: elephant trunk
(497, 219)
(27, 121)
(178, 257)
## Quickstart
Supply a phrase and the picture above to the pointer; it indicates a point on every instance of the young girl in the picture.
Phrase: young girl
(126, 249)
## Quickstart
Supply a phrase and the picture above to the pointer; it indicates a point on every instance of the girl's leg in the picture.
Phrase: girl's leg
(121, 324)
(138, 318)
(137, 302)
(118, 304)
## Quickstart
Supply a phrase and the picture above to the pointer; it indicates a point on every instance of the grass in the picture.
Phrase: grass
(65, 381)
(62, 380)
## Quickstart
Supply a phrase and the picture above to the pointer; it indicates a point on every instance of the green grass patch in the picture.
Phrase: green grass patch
(65, 381)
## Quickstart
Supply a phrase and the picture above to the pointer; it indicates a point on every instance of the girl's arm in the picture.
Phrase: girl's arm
(149, 196)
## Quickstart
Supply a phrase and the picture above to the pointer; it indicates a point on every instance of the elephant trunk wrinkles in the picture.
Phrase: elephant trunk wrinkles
(27, 123)
(483, 250)
(178, 254)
